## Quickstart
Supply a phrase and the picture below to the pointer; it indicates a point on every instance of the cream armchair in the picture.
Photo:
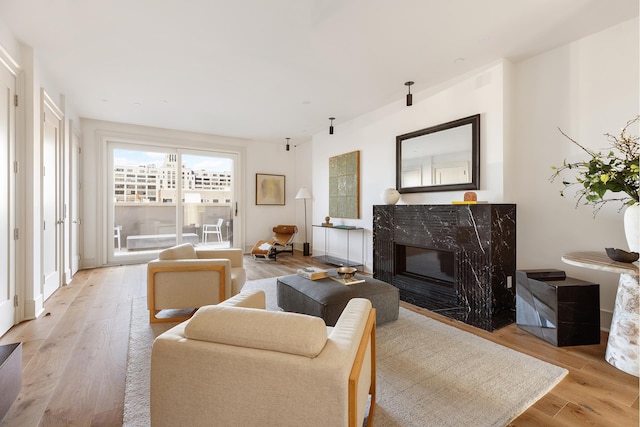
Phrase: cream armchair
(236, 364)
(184, 277)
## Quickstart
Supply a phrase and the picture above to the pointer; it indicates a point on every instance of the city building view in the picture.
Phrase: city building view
(145, 197)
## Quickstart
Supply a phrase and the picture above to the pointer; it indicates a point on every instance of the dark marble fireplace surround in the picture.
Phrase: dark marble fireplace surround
(482, 238)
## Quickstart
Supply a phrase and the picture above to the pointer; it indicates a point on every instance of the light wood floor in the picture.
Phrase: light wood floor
(75, 355)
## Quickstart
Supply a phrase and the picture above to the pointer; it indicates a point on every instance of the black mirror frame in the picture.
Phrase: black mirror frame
(475, 156)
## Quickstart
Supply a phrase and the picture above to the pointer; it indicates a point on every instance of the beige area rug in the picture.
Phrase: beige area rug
(428, 373)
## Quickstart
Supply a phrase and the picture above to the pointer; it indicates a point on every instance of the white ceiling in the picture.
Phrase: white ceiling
(270, 69)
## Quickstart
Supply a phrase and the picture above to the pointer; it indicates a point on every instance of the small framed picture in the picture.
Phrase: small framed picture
(269, 189)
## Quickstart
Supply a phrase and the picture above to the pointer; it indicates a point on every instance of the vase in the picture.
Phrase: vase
(631, 227)
(390, 196)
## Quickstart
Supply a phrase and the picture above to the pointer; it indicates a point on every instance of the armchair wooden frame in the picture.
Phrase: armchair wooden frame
(151, 284)
(369, 336)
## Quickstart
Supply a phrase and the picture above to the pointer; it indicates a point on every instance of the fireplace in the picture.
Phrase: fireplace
(425, 276)
(431, 265)
(457, 260)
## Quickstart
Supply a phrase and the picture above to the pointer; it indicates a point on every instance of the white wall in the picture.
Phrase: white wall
(272, 159)
(587, 88)
(32, 77)
(255, 157)
(374, 135)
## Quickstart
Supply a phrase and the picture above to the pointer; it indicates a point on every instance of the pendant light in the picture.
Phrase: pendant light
(331, 125)
(409, 96)
(287, 147)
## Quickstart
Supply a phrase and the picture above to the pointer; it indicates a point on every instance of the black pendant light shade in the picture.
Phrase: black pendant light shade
(287, 147)
(331, 125)
(409, 95)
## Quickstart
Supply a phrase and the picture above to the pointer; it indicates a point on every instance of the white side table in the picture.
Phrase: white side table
(622, 348)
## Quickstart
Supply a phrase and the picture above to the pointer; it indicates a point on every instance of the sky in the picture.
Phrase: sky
(196, 162)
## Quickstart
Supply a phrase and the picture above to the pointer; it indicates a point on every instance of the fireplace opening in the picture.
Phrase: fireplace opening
(431, 265)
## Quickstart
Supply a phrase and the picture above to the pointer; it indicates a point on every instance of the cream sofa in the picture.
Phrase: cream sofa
(236, 364)
(186, 277)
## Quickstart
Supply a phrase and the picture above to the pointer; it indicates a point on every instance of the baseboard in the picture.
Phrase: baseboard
(33, 308)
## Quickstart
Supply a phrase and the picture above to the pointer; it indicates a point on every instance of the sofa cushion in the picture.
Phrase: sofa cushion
(183, 251)
(253, 328)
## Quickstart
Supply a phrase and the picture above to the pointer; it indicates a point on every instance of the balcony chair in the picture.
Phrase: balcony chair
(282, 241)
(117, 230)
(236, 364)
(212, 229)
(184, 277)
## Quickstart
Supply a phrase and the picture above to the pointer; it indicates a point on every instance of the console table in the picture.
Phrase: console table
(343, 262)
(622, 348)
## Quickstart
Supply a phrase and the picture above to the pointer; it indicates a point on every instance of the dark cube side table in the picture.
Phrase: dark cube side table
(10, 375)
(561, 312)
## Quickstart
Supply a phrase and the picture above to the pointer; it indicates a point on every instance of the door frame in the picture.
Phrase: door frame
(136, 142)
(75, 200)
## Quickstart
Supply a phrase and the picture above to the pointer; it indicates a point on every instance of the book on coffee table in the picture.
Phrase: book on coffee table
(350, 281)
(312, 273)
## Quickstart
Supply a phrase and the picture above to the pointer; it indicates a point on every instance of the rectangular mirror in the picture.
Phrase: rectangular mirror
(445, 157)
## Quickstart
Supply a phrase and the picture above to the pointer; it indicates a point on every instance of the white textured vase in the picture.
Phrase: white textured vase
(390, 196)
(632, 227)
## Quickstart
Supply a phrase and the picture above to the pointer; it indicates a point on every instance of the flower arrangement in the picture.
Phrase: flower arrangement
(615, 171)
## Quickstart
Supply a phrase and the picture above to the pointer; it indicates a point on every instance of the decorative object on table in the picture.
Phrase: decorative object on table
(312, 273)
(269, 189)
(390, 196)
(545, 274)
(621, 255)
(305, 194)
(615, 171)
(346, 272)
(469, 202)
(344, 185)
(470, 196)
(347, 276)
(347, 282)
(326, 222)
(632, 227)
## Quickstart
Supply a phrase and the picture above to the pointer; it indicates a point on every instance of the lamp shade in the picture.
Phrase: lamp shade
(303, 193)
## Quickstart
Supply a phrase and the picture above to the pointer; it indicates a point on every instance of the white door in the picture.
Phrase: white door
(7, 200)
(51, 196)
(451, 173)
(74, 252)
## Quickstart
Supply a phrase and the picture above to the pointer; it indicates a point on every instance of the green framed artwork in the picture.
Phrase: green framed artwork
(344, 185)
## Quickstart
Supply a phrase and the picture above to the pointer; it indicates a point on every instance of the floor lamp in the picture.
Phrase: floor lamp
(305, 194)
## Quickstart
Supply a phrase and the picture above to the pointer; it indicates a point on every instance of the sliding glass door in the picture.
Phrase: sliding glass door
(207, 195)
(161, 197)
